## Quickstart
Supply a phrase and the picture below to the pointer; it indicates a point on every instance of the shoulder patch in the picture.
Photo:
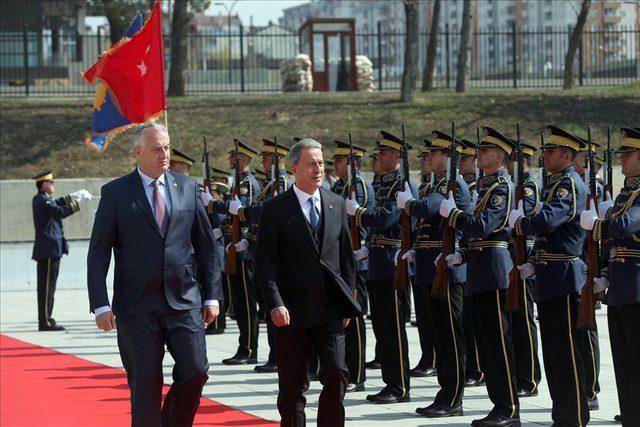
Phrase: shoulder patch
(497, 200)
(442, 189)
(528, 191)
(244, 190)
(562, 193)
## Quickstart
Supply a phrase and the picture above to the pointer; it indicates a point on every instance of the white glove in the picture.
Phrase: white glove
(217, 233)
(600, 284)
(410, 255)
(474, 199)
(454, 259)
(605, 205)
(361, 253)
(234, 206)
(206, 197)
(242, 245)
(526, 270)
(515, 214)
(588, 216)
(402, 197)
(447, 205)
(539, 207)
(352, 205)
(226, 248)
(81, 195)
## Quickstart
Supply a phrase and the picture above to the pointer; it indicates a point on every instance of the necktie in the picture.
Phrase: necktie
(313, 214)
(160, 209)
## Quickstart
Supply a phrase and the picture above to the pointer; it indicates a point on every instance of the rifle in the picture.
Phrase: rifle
(586, 313)
(516, 284)
(543, 171)
(230, 264)
(440, 287)
(206, 173)
(352, 177)
(401, 277)
(609, 158)
(275, 170)
(479, 173)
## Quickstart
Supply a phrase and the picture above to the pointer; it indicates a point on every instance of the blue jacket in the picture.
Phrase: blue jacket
(48, 213)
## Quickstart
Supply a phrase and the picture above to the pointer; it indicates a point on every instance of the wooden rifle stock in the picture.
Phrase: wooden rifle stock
(517, 284)
(440, 287)
(354, 230)
(401, 276)
(231, 261)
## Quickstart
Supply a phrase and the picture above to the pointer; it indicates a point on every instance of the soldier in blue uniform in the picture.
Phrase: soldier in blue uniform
(559, 274)
(619, 228)
(473, 371)
(49, 244)
(488, 265)
(242, 284)
(252, 214)
(524, 331)
(390, 304)
(355, 334)
(446, 314)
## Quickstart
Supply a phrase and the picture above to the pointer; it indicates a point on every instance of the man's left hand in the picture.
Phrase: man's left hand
(352, 206)
(345, 322)
(515, 214)
(210, 313)
(402, 197)
(447, 205)
(242, 245)
(588, 216)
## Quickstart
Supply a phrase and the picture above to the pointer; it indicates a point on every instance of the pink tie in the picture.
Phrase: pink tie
(160, 209)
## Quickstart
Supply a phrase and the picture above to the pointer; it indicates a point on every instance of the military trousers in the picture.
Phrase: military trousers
(590, 349)
(391, 308)
(625, 350)
(473, 370)
(496, 350)
(47, 278)
(374, 321)
(562, 360)
(424, 324)
(524, 334)
(446, 316)
(356, 337)
(243, 294)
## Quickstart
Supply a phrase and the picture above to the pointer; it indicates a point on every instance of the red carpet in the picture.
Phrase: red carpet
(42, 387)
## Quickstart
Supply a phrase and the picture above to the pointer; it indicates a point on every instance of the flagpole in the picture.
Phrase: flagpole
(166, 119)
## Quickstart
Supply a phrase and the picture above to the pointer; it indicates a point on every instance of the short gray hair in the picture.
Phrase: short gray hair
(145, 129)
(298, 147)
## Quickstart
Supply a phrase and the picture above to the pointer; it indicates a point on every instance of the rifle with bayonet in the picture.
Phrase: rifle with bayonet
(206, 173)
(275, 170)
(609, 173)
(440, 287)
(587, 311)
(517, 284)
(352, 176)
(479, 172)
(543, 170)
(401, 277)
(230, 265)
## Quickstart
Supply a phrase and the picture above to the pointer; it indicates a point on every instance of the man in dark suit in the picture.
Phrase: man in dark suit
(49, 243)
(150, 219)
(306, 272)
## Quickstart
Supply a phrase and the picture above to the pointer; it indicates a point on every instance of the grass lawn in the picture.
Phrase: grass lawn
(49, 133)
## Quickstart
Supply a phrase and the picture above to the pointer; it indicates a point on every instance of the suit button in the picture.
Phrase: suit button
(166, 270)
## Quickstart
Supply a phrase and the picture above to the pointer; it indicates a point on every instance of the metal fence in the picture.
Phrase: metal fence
(248, 61)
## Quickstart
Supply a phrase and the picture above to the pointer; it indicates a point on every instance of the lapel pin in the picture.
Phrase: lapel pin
(330, 206)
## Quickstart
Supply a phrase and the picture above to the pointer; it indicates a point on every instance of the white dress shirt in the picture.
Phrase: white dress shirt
(303, 199)
(148, 190)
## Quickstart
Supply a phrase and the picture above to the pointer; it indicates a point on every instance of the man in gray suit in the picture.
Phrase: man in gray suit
(150, 219)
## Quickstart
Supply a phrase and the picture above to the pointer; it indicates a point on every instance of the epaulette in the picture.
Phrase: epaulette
(389, 177)
(503, 180)
(557, 177)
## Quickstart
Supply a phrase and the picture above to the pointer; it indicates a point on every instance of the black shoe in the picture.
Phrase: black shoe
(351, 387)
(618, 419)
(422, 372)
(53, 327)
(527, 393)
(214, 331)
(437, 410)
(495, 419)
(593, 404)
(268, 367)
(385, 396)
(473, 382)
(240, 360)
(313, 376)
(374, 364)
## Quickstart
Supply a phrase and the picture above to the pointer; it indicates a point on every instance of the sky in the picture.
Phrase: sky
(262, 11)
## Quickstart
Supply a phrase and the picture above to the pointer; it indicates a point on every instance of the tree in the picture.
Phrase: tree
(465, 47)
(119, 14)
(432, 48)
(409, 73)
(182, 13)
(574, 42)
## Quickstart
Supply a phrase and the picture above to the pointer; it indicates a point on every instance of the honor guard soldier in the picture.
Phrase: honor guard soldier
(49, 244)
(445, 313)
(488, 265)
(389, 304)
(219, 188)
(275, 181)
(180, 163)
(580, 165)
(559, 274)
(330, 175)
(619, 230)
(473, 371)
(355, 333)
(524, 331)
(242, 283)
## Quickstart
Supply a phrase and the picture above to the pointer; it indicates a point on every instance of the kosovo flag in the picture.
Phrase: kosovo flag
(106, 120)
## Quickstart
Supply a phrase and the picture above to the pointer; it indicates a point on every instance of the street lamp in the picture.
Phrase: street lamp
(229, 10)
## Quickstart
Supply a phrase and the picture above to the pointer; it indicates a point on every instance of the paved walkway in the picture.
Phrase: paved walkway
(243, 389)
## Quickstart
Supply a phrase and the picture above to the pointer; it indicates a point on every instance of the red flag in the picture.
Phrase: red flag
(134, 71)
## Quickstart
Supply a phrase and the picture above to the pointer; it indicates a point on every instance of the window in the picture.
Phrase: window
(510, 10)
(548, 16)
(548, 44)
(490, 13)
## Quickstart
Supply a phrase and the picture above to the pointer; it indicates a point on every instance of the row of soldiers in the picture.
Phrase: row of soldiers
(467, 335)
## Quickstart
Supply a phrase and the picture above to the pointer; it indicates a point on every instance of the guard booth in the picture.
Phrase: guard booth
(331, 45)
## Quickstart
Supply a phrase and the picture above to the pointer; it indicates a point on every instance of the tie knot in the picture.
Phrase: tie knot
(155, 183)
(312, 200)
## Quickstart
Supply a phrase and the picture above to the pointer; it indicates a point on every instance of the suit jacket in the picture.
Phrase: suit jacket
(151, 268)
(292, 270)
(48, 213)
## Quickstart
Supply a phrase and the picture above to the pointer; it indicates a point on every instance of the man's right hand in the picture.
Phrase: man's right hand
(280, 316)
(106, 321)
